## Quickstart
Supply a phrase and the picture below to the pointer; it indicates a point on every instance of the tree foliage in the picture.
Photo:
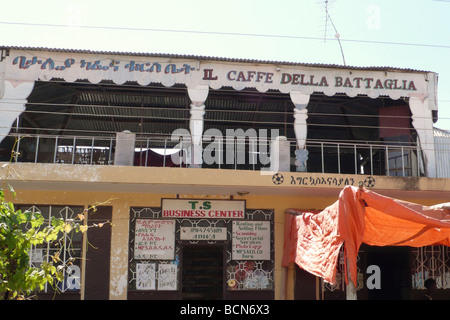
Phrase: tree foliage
(19, 231)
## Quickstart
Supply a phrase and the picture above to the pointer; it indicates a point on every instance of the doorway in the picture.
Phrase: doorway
(395, 272)
(202, 275)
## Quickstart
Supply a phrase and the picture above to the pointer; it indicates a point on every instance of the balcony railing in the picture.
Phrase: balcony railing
(323, 157)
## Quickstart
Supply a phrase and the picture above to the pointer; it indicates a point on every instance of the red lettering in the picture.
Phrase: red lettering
(323, 82)
(208, 74)
(404, 84)
(368, 81)
(229, 75)
(302, 82)
(251, 74)
(348, 83)
(357, 82)
(269, 77)
(286, 78)
(241, 76)
(412, 86)
(311, 81)
(388, 84)
(378, 85)
(260, 76)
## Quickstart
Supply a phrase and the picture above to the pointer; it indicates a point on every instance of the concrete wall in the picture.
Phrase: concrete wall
(123, 187)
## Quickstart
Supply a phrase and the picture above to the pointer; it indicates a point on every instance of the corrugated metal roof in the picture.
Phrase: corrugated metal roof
(442, 151)
(441, 133)
(210, 58)
(81, 108)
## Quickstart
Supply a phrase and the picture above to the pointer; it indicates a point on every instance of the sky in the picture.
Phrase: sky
(412, 34)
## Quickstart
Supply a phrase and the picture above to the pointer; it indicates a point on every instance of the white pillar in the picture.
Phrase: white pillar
(198, 97)
(422, 121)
(13, 99)
(350, 289)
(300, 101)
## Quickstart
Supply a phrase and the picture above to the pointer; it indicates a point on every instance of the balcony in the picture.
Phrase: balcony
(236, 154)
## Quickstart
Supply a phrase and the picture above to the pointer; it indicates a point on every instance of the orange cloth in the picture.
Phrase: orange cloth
(313, 240)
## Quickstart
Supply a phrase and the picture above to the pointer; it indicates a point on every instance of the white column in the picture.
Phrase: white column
(198, 97)
(300, 101)
(422, 121)
(350, 289)
(13, 98)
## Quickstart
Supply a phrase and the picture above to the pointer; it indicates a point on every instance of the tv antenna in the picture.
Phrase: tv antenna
(336, 33)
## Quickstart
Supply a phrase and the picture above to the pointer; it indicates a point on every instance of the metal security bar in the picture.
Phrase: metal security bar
(69, 247)
(430, 262)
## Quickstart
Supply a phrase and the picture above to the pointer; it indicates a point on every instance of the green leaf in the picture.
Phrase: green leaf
(11, 189)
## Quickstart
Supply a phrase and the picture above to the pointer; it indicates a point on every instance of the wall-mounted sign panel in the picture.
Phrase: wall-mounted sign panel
(145, 276)
(154, 239)
(251, 240)
(203, 209)
(167, 276)
(203, 233)
(37, 65)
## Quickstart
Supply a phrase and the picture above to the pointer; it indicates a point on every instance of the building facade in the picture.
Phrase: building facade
(195, 161)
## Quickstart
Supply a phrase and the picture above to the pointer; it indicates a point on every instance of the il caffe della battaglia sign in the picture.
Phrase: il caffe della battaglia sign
(45, 65)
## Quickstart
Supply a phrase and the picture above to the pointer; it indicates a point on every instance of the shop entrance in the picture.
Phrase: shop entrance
(393, 263)
(202, 276)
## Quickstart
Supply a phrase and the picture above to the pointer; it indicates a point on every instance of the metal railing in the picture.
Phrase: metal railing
(61, 149)
(323, 157)
(369, 159)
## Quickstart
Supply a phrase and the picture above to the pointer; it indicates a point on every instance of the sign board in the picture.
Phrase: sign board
(251, 240)
(154, 239)
(203, 233)
(203, 209)
(167, 276)
(70, 66)
(145, 276)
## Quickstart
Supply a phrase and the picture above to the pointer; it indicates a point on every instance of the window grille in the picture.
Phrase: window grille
(69, 247)
(431, 262)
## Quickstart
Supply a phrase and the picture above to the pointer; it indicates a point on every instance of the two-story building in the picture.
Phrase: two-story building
(195, 161)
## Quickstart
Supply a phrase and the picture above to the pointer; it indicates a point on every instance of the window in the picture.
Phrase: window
(431, 262)
(69, 247)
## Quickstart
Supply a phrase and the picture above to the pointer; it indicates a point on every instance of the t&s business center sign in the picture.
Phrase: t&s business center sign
(202, 209)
